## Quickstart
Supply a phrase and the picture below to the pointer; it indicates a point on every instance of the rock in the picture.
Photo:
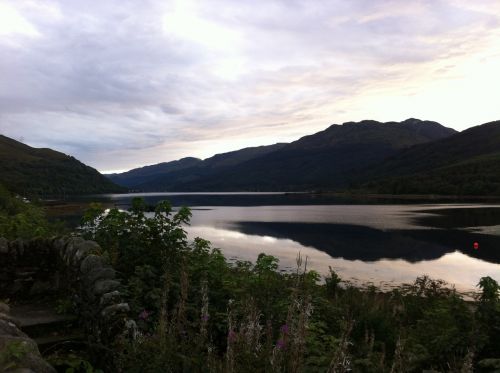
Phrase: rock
(60, 245)
(91, 262)
(71, 248)
(24, 343)
(83, 249)
(103, 273)
(9, 328)
(110, 298)
(8, 318)
(114, 309)
(4, 308)
(105, 286)
(23, 353)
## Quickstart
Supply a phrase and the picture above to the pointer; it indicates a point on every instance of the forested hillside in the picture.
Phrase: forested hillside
(46, 172)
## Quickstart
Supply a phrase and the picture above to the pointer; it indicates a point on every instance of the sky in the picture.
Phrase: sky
(120, 84)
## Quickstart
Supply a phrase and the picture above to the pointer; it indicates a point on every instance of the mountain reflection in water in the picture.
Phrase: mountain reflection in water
(356, 242)
(364, 241)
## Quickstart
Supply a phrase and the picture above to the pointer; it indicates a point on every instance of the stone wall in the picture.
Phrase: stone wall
(41, 267)
(29, 268)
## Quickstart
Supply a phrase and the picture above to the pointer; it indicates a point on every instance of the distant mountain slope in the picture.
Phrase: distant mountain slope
(467, 163)
(160, 176)
(43, 172)
(327, 159)
(239, 156)
(145, 174)
(396, 135)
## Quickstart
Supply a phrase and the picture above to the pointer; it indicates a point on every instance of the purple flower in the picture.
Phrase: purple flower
(284, 329)
(280, 344)
(231, 336)
(144, 315)
(205, 318)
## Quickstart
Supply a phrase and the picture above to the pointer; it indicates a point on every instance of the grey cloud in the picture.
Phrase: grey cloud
(112, 84)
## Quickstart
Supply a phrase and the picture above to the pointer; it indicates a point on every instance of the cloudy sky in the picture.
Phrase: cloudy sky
(119, 84)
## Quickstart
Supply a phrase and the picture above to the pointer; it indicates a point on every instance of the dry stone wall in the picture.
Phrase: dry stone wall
(40, 267)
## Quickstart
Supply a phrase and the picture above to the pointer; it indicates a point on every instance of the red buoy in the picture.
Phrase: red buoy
(476, 245)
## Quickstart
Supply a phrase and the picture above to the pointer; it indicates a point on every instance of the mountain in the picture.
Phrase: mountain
(239, 156)
(146, 174)
(45, 172)
(396, 135)
(159, 176)
(466, 163)
(329, 159)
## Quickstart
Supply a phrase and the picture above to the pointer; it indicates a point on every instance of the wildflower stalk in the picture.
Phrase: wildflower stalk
(163, 317)
(398, 363)
(467, 365)
(181, 307)
(204, 316)
(341, 361)
(231, 338)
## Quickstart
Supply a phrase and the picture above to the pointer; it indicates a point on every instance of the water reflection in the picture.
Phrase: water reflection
(462, 217)
(366, 243)
(363, 243)
(364, 240)
(454, 267)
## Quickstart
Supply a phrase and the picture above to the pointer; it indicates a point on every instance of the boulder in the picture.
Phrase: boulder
(4, 308)
(23, 354)
(105, 286)
(91, 262)
(114, 309)
(102, 273)
(83, 249)
(9, 328)
(110, 298)
(71, 248)
(60, 244)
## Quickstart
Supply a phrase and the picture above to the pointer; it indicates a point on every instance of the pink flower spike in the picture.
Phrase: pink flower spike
(284, 329)
(231, 336)
(144, 315)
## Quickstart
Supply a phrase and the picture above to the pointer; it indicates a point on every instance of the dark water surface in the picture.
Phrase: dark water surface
(364, 240)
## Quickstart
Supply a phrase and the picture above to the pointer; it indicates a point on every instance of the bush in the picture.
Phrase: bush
(196, 312)
(20, 218)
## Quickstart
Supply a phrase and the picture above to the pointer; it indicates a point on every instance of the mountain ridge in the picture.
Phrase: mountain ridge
(466, 163)
(46, 172)
(326, 159)
(199, 166)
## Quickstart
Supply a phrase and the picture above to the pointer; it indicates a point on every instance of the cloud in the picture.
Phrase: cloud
(123, 83)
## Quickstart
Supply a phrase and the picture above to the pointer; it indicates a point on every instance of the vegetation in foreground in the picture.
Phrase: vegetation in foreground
(194, 311)
(197, 312)
(20, 218)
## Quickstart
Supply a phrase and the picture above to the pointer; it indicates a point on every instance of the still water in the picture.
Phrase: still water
(364, 241)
